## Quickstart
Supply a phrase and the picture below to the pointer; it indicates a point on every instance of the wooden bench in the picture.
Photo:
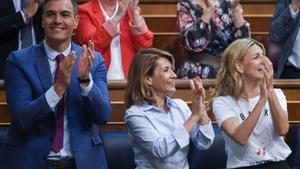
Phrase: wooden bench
(291, 89)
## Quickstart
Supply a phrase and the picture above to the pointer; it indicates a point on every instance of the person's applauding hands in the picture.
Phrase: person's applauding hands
(64, 74)
(136, 17)
(198, 97)
(31, 7)
(121, 11)
(208, 7)
(86, 61)
(295, 5)
(237, 12)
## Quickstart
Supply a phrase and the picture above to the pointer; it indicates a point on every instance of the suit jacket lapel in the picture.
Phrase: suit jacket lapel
(43, 67)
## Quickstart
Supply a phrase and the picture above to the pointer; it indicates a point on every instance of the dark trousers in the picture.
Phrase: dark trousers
(58, 168)
(65, 163)
(269, 165)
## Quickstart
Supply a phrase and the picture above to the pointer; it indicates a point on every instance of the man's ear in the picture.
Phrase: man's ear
(76, 20)
(148, 80)
(239, 67)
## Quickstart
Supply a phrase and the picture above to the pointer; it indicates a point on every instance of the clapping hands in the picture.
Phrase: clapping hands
(236, 7)
(295, 4)
(121, 11)
(205, 4)
(266, 84)
(208, 7)
(198, 97)
(31, 7)
(237, 13)
(86, 60)
(133, 5)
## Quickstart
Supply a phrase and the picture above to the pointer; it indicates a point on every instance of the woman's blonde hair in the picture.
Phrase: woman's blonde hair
(229, 81)
(143, 64)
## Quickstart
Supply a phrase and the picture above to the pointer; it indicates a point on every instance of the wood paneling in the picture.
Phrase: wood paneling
(170, 9)
(167, 23)
(291, 88)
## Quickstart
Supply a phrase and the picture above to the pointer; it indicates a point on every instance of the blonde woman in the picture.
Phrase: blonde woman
(250, 112)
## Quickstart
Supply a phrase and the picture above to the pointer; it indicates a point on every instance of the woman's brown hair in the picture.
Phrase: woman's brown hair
(143, 64)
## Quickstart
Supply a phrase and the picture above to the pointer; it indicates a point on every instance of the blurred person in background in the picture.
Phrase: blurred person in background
(20, 26)
(118, 31)
(284, 30)
(207, 27)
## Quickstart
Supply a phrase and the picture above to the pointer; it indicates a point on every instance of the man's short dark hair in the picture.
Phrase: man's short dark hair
(74, 3)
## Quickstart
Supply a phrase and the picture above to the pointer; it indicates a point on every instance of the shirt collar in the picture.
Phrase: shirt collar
(51, 53)
(146, 106)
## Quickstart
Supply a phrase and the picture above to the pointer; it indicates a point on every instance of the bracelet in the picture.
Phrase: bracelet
(86, 80)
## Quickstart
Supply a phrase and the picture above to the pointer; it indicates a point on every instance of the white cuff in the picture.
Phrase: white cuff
(52, 98)
(181, 136)
(86, 90)
(207, 130)
(293, 13)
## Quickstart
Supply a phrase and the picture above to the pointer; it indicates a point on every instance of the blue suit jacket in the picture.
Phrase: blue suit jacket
(32, 128)
(284, 31)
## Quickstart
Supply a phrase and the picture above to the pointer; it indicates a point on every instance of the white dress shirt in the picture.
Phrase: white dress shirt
(115, 70)
(53, 99)
(159, 139)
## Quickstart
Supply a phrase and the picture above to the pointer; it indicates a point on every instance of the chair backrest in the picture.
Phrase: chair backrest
(118, 151)
(293, 140)
(3, 133)
(214, 157)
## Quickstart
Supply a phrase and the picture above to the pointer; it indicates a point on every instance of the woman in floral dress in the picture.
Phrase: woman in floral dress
(207, 27)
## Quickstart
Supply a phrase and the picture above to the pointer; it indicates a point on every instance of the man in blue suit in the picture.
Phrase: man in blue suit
(284, 30)
(56, 105)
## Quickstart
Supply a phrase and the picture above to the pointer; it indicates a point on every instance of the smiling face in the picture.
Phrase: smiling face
(163, 78)
(252, 65)
(59, 21)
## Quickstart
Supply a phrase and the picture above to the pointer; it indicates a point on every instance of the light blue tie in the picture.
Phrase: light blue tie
(26, 34)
